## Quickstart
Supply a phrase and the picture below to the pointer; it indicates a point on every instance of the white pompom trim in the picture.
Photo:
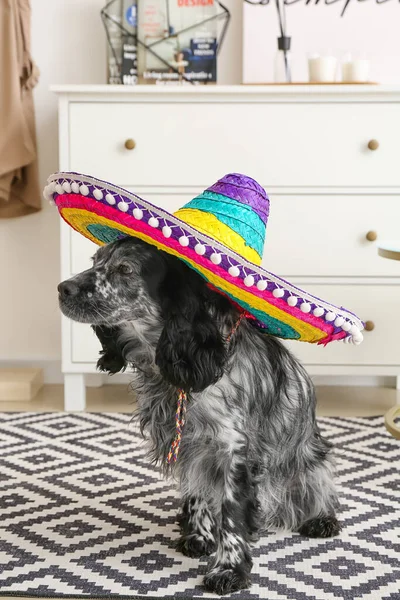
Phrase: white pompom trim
(278, 293)
(234, 271)
(305, 307)
(357, 339)
(184, 240)
(153, 222)
(138, 213)
(48, 193)
(249, 281)
(167, 231)
(216, 258)
(200, 249)
(98, 194)
(123, 206)
(110, 199)
(262, 285)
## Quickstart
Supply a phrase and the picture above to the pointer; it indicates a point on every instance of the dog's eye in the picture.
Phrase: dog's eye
(125, 269)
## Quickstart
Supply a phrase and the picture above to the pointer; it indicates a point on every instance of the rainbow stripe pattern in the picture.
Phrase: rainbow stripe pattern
(220, 234)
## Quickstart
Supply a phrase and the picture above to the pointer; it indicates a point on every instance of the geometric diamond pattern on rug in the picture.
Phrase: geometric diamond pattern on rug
(83, 513)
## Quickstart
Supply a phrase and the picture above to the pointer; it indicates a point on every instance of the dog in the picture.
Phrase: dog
(251, 457)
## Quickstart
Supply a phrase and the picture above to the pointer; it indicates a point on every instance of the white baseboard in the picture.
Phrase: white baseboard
(53, 374)
(371, 381)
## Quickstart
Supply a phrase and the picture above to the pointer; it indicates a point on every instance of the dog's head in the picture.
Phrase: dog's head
(131, 282)
(120, 286)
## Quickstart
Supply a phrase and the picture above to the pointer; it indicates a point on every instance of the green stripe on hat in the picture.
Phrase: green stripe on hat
(239, 217)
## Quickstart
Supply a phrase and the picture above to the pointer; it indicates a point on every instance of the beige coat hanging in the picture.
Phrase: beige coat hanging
(19, 183)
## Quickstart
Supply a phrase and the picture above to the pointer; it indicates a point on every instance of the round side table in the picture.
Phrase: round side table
(391, 250)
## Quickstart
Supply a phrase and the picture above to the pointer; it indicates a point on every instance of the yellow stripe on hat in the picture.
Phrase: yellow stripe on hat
(211, 226)
(79, 219)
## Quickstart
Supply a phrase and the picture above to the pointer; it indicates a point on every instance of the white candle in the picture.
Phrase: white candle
(322, 69)
(356, 70)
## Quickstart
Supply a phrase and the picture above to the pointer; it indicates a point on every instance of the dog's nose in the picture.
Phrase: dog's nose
(67, 288)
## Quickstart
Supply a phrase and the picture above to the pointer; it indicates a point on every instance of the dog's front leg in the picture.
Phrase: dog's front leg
(111, 360)
(230, 568)
(198, 528)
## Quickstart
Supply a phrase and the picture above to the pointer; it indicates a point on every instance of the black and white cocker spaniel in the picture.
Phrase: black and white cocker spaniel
(251, 455)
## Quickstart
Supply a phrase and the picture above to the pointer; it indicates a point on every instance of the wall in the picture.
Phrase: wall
(68, 44)
(69, 47)
(366, 28)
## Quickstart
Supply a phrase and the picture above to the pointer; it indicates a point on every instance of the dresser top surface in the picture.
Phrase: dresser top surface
(337, 92)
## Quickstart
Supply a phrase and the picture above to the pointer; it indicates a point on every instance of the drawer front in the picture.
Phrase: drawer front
(376, 303)
(306, 236)
(326, 235)
(193, 144)
(85, 345)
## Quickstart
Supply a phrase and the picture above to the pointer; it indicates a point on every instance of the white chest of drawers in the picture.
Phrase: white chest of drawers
(310, 148)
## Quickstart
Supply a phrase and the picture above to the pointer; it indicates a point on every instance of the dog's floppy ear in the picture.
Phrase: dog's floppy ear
(191, 351)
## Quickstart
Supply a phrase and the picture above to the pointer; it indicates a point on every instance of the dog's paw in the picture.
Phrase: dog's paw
(226, 581)
(108, 363)
(321, 527)
(195, 546)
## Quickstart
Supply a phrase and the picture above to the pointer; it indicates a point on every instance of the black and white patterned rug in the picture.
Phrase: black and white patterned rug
(83, 514)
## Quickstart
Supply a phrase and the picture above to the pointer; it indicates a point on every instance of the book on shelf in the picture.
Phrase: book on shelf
(121, 27)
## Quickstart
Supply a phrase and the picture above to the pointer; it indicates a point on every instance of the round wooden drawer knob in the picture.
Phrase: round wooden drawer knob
(369, 325)
(373, 144)
(130, 144)
(371, 236)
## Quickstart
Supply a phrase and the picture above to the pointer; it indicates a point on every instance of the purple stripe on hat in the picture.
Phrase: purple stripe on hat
(246, 190)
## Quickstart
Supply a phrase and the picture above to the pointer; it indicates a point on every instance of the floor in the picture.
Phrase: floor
(332, 400)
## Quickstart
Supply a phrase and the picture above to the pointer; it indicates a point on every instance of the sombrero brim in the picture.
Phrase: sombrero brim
(103, 213)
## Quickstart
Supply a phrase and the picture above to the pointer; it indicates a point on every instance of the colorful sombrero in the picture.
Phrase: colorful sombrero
(221, 235)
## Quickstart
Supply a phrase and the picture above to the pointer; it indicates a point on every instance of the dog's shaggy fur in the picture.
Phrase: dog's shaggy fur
(252, 456)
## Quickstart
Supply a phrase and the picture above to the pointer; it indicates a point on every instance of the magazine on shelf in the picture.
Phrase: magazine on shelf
(177, 41)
